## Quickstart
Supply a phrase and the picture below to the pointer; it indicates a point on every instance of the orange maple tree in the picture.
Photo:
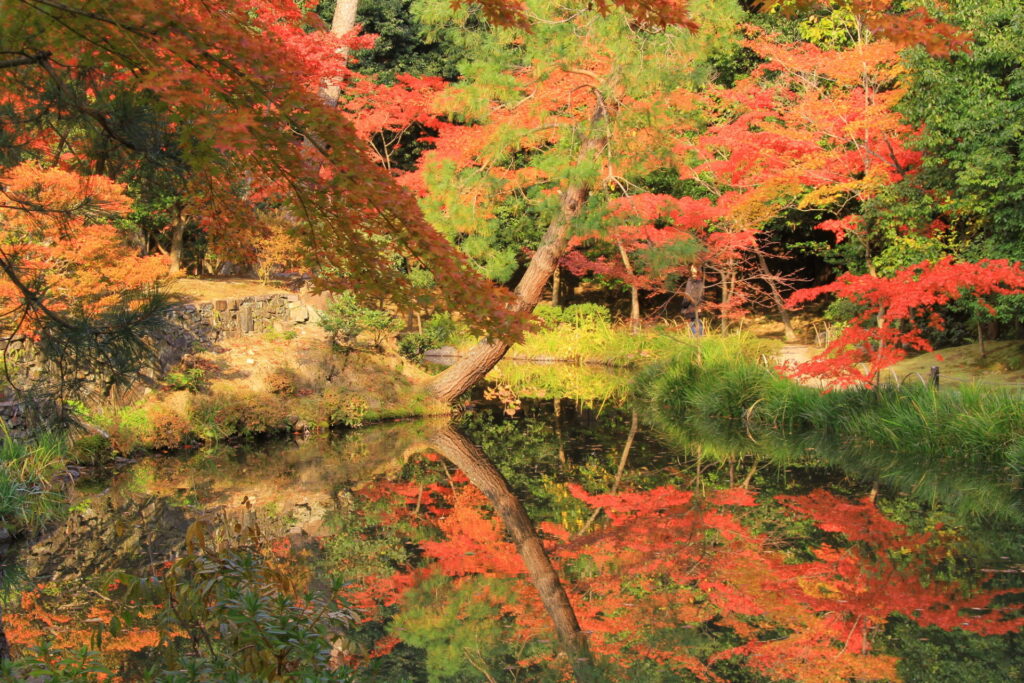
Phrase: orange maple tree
(235, 86)
(60, 248)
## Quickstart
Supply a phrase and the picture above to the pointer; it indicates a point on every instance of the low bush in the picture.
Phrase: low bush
(281, 381)
(90, 449)
(190, 379)
(129, 428)
(586, 316)
(244, 413)
(438, 331)
(345, 319)
(962, 447)
(334, 408)
(169, 429)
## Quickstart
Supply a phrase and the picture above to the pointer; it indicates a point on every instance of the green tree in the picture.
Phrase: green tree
(559, 115)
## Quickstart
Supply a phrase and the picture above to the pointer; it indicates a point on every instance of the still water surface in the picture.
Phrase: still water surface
(672, 565)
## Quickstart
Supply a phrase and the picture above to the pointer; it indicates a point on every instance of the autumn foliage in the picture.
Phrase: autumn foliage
(668, 567)
(59, 241)
(894, 311)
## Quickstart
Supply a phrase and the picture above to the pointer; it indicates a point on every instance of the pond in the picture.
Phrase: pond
(535, 538)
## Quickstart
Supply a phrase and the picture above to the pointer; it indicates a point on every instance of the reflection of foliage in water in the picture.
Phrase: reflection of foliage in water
(695, 581)
(670, 586)
(234, 605)
(542, 448)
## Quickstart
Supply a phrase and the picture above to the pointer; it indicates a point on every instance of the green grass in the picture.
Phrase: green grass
(1002, 364)
(962, 447)
(563, 380)
(28, 498)
(600, 343)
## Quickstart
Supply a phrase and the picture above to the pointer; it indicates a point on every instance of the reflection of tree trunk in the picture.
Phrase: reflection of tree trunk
(472, 367)
(486, 477)
(633, 426)
(558, 430)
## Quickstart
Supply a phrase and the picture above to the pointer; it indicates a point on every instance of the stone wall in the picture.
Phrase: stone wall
(193, 327)
(202, 324)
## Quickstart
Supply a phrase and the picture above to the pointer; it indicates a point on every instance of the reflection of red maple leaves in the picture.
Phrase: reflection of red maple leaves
(667, 562)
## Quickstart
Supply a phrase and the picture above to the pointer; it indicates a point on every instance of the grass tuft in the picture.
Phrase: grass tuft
(962, 447)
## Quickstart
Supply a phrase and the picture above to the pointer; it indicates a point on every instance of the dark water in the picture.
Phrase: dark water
(675, 565)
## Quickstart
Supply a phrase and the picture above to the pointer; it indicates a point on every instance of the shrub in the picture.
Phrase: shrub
(91, 449)
(437, 331)
(191, 379)
(580, 316)
(276, 335)
(334, 408)
(129, 428)
(281, 381)
(587, 316)
(224, 415)
(169, 428)
(343, 408)
(414, 345)
(344, 319)
(440, 328)
(550, 316)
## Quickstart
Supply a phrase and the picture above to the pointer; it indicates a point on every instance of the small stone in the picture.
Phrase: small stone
(299, 313)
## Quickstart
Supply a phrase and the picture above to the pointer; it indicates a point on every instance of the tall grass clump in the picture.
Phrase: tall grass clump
(29, 498)
(963, 447)
(601, 384)
(600, 342)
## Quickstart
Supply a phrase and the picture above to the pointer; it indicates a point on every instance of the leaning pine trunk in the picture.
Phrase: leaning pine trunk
(486, 477)
(470, 369)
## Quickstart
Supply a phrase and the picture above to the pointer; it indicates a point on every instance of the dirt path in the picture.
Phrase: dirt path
(798, 353)
(192, 289)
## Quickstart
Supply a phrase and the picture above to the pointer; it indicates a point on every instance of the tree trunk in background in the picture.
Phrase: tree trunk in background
(177, 244)
(769, 278)
(634, 291)
(472, 367)
(728, 282)
(556, 286)
(5, 647)
(486, 477)
(343, 21)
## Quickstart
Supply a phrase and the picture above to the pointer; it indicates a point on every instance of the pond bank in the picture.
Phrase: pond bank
(962, 447)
